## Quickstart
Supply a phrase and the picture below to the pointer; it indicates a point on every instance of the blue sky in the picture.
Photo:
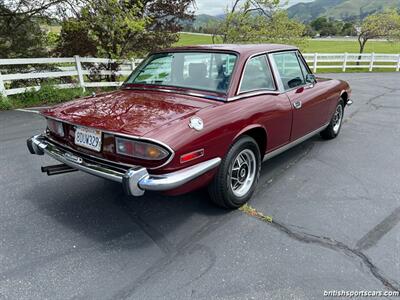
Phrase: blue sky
(216, 7)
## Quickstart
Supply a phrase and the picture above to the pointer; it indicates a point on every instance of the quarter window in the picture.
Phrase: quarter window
(257, 75)
(289, 69)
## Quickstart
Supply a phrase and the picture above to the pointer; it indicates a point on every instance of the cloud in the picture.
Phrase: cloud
(217, 7)
(212, 7)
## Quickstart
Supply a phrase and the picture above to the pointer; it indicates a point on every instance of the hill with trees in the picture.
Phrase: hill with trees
(346, 10)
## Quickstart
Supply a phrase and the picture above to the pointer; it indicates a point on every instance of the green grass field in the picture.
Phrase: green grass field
(320, 46)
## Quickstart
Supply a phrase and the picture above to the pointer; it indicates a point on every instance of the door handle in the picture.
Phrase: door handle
(297, 105)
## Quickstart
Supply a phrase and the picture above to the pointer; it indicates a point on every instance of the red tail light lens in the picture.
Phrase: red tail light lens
(55, 127)
(141, 150)
(192, 155)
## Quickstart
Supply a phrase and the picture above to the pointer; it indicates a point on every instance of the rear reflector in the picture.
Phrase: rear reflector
(192, 155)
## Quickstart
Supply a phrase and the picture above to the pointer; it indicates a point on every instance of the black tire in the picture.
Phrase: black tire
(220, 189)
(333, 130)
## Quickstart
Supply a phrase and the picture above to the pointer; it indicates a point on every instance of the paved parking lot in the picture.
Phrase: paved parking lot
(335, 207)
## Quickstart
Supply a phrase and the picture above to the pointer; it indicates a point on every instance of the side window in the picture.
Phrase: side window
(289, 69)
(257, 75)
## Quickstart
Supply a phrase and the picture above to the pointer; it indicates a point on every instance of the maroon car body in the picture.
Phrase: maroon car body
(276, 119)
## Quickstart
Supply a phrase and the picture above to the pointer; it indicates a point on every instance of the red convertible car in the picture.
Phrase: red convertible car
(195, 116)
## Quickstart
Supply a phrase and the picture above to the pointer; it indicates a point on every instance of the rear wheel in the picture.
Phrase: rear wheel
(238, 174)
(335, 124)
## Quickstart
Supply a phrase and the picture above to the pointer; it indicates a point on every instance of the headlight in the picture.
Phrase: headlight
(141, 150)
(55, 127)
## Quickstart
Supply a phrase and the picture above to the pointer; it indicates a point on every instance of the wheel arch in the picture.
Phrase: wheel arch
(258, 133)
(344, 96)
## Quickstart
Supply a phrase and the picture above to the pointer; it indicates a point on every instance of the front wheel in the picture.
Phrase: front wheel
(335, 124)
(238, 174)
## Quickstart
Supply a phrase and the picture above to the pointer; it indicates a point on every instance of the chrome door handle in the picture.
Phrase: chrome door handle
(297, 105)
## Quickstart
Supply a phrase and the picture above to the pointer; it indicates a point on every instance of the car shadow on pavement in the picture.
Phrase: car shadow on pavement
(98, 210)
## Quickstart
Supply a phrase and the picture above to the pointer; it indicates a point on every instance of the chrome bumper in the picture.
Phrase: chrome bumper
(349, 102)
(135, 180)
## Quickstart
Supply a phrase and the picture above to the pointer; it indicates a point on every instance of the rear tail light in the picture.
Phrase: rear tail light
(192, 155)
(141, 150)
(55, 127)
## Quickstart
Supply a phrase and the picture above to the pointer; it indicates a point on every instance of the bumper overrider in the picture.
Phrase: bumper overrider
(135, 180)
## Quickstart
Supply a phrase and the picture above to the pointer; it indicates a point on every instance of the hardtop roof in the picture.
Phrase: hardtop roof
(245, 49)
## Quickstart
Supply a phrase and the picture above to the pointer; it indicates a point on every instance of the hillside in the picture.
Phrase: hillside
(200, 21)
(339, 9)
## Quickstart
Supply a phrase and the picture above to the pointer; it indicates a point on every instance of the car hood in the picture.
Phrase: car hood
(128, 111)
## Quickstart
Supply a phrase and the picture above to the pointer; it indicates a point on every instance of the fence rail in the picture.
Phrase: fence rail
(76, 70)
(79, 70)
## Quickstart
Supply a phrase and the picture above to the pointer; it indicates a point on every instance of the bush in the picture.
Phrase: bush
(48, 94)
(5, 104)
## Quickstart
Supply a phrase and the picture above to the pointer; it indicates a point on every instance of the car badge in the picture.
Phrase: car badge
(196, 123)
(73, 158)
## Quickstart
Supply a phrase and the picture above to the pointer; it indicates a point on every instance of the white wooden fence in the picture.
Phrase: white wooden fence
(78, 68)
(344, 61)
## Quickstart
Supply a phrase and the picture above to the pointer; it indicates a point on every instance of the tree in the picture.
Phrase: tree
(20, 32)
(319, 23)
(250, 21)
(348, 29)
(74, 39)
(25, 39)
(381, 25)
(123, 28)
(329, 27)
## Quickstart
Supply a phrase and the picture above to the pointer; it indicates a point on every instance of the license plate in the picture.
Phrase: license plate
(88, 138)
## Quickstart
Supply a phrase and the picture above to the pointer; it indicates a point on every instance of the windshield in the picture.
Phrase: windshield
(193, 70)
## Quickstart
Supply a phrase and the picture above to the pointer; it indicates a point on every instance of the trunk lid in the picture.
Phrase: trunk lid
(131, 112)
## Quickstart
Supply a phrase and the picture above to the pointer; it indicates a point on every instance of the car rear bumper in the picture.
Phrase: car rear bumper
(135, 180)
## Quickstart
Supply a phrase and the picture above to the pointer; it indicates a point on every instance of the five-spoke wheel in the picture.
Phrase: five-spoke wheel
(335, 124)
(237, 175)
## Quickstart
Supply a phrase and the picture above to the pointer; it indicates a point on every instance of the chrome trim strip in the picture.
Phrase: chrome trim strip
(127, 136)
(119, 139)
(244, 70)
(253, 94)
(176, 92)
(135, 180)
(292, 144)
(238, 94)
(275, 70)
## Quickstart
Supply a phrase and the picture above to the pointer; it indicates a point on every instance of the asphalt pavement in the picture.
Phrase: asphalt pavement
(335, 209)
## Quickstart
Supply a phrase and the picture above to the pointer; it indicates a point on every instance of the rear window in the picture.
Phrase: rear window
(193, 70)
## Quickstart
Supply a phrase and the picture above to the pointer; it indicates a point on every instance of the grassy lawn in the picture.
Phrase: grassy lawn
(193, 39)
(327, 46)
(324, 46)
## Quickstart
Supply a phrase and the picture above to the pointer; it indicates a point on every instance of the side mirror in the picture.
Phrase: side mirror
(310, 78)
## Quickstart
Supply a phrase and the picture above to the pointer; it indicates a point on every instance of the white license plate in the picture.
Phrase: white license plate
(88, 138)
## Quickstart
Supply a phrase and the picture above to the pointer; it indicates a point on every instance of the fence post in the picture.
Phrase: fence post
(398, 63)
(2, 88)
(345, 62)
(78, 66)
(315, 62)
(371, 64)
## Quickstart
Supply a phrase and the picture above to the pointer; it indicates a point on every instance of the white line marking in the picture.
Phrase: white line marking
(29, 111)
